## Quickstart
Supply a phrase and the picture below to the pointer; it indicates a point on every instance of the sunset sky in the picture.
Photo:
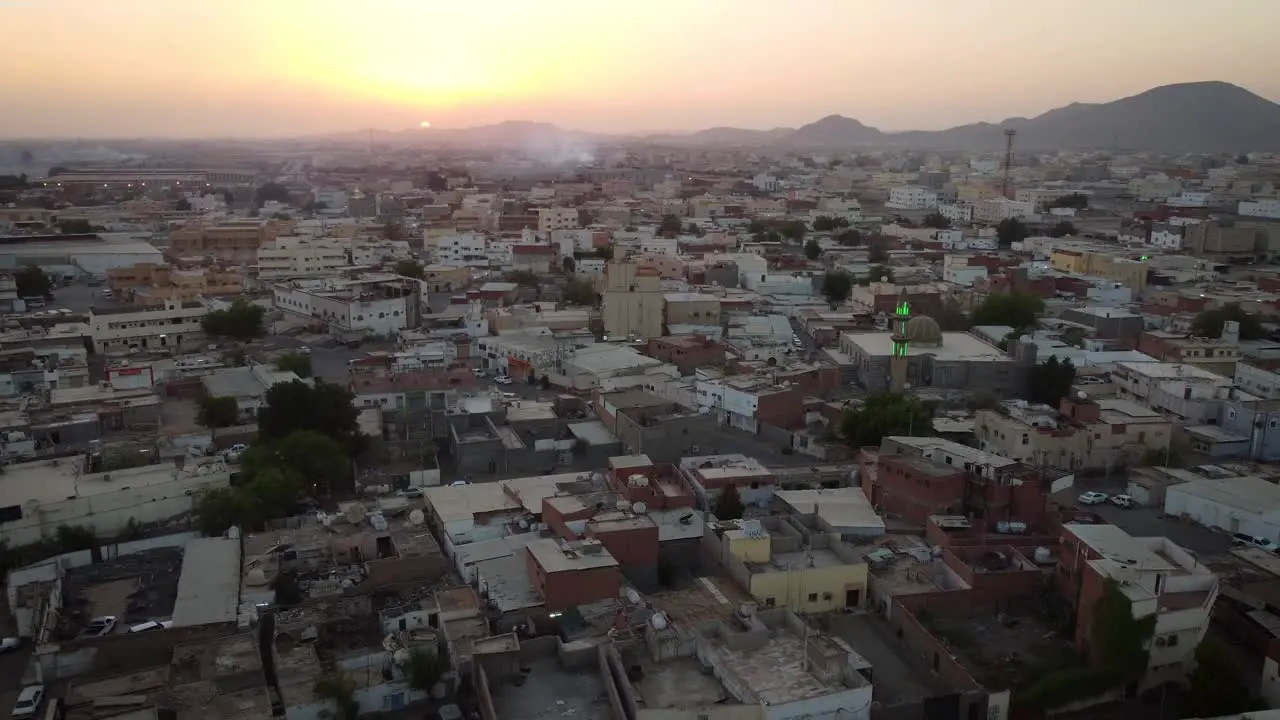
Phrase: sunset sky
(283, 67)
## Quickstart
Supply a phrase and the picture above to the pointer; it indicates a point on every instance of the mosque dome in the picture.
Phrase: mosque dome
(923, 330)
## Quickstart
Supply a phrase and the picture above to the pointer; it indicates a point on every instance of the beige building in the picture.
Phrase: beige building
(1084, 434)
(633, 301)
(692, 309)
(230, 241)
(443, 278)
(152, 284)
(1126, 271)
(172, 325)
(294, 255)
(556, 218)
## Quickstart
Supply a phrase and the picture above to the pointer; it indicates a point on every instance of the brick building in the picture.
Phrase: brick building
(687, 352)
(568, 574)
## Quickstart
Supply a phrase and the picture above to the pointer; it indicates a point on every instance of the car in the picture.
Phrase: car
(100, 626)
(151, 625)
(502, 380)
(1244, 540)
(10, 644)
(458, 483)
(1123, 501)
(1092, 498)
(234, 452)
(413, 492)
(479, 373)
(28, 701)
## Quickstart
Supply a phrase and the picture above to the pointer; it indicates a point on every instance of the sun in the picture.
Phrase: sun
(424, 124)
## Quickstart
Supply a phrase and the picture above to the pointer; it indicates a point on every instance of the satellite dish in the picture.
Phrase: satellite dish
(639, 508)
(1082, 395)
(355, 513)
(416, 517)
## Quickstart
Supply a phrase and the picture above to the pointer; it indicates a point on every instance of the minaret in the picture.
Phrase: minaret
(898, 361)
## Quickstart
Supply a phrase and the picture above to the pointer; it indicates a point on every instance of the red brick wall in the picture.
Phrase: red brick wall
(923, 644)
(782, 409)
(914, 496)
(630, 547)
(557, 520)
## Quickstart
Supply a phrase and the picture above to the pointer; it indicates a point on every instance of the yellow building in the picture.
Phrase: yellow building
(1126, 271)
(770, 560)
(152, 284)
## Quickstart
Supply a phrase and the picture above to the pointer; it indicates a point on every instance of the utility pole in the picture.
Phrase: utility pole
(1009, 134)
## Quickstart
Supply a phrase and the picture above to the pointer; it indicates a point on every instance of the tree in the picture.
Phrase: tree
(75, 226)
(32, 282)
(342, 691)
(1062, 229)
(218, 509)
(580, 292)
(410, 269)
(605, 253)
(812, 250)
(1018, 310)
(216, 412)
(878, 273)
(849, 238)
(884, 414)
(424, 669)
(270, 192)
(183, 205)
(1078, 201)
(523, 277)
(1163, 457)
(1050, 381)
(317, 460)
(242, 321)
(694, 229)
(1210, 322)
(836, 287)
(729, 505)
(792, 230)
(877, 252)
(670, 226)
(295, 362)
(544, 382)
(936, 220)
(1214, 687)
(228, 197)
(829, 223)
(320, 406)
(569, 264)
(1011, 230)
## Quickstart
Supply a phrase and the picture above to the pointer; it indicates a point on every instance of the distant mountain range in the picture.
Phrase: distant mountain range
(1187, 117)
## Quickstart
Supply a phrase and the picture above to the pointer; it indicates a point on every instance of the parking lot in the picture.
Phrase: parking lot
(1150, 522)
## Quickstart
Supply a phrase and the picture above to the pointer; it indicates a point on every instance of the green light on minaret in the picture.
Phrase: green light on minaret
(903, 311)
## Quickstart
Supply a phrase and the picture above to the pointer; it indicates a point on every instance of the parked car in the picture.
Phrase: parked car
(1243, 540)
(1123, 501)
(502, 380)
(1092, 498)
(100, 626)
(479, 373)
(10, 644)
(413, 492)
(28, 701)
(151, 625)
(234, 452)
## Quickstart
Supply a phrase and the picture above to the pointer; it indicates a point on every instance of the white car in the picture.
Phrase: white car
(1123, 501)
(10, 644)
(479, 373)
(1092, 498)
(502, 380)
(28, 701)
(234, 452)
(100, 626)
(152, 625)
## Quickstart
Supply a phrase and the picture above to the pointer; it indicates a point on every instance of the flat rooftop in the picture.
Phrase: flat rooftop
(464, 502)
(956, 346)
(679, 683)
(555, 556)
(550, 692)
(775, 673)
(209, 587)
(49, 481)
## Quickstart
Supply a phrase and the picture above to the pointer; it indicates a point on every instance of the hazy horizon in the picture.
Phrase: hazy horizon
(158, 68)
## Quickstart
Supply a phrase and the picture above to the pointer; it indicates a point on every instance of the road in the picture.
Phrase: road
(1150, 522)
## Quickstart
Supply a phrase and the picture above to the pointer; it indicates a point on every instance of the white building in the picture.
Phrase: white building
(766, 182)
(369, 251)
(957, 213)
(995, 210)
(466, 514)
(462, 250)
(332, 199)
(1166, 236)
(556, 218)
(1260, 208)
(1259, 381)
(1191, 198)
(1249, 505)
(957, 270)
(380, 306)
(912, 197)
(297, 255)
(173, 325)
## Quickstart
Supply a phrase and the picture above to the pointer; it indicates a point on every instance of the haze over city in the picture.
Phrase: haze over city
(242, 68)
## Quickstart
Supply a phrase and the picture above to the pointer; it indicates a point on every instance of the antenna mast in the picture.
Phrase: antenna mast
(1008, 161)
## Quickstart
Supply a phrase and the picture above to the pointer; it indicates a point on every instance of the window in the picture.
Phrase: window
(770, 602)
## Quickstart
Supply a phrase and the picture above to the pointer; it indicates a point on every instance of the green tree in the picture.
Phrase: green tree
(1162, 457)
(824, 223)
(1214, 688)
(241, 321)
(217, 412)
(580, 292)
(183, 205)
(323, 407)
(1209, 323)
(605, 253)
(569, 264)
(1079, 201)
(836, 287)
(410, 269)
(936, 220)
(878, 251)
(218, 509)
(1062, 229)
(1050, 381)
(670, 226)
(295, 362)
(271, 191)
(315, 459)
(1016, 309)
(1011, 230)
(729, 505)
(812, 250)
(849, 238)
(424, 669)
(878, 273)
(793, 230)
(523, 278)
(72, 538)
(32, 282)
(885, 414)
(75, 226)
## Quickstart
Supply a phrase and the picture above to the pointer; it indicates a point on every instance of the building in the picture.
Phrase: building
(746, 402)
(1248, 504)
(952, 360)
(912, 197)
(380, 305)
(1156, 576)
(781, 562)
(231, 241)
(556, 218)
(692, 309)
(1226, 240)
(296, 255)
(247, 385)
(1126, 271)
(995, 210)
(687, 352)
(463, 250)
(1084, 435)
(537, 259)
(568, 574)
(1267, 208)
(152, 284)
(633, 302)
(72, 256)
(173, 326)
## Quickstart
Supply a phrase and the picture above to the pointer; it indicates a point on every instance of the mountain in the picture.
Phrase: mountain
(736, 136)
(512, 133)
(1201, 116)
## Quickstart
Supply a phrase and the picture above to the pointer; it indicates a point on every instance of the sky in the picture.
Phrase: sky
(230, 68)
